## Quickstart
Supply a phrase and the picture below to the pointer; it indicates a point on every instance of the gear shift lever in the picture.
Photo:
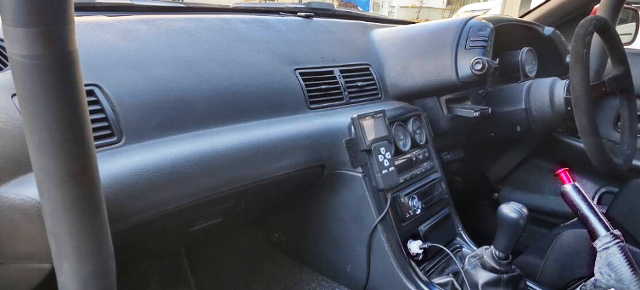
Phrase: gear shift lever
(491, 267)
(512, 218)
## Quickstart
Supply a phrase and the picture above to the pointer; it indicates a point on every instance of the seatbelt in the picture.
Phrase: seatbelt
(512, 158)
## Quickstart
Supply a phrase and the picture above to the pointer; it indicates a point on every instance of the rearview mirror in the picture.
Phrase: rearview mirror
(628, 25)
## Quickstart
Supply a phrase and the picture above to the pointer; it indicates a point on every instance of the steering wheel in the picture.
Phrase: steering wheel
(606, 155)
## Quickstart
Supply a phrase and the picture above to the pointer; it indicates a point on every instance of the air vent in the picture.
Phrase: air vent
(104, 127)
(360, 84)
(336, 86)
(321, 87)
(4, 57)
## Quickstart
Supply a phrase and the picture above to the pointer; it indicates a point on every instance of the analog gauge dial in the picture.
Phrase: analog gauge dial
(402, 137)
(418, 131)
(529, 62)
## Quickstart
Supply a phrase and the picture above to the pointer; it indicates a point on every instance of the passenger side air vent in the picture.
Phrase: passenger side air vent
(360, 84)
(4, 57)
(103, 127)
(321, 87)
(336, 86)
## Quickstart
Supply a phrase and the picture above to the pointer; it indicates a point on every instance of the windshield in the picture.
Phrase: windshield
(412, 10)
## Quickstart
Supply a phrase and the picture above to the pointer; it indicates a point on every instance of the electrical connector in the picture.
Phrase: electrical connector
(415, 248)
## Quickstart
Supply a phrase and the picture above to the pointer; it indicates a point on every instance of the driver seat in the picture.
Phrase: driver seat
(566, 254)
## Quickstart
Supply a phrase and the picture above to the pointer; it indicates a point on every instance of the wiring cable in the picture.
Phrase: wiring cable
(368, 245)
(426, 245)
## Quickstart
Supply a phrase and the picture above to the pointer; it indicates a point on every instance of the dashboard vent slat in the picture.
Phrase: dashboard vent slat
(360, 83)
(97, 116)
(337, 86)
(321, 87)
(323, 93)
(336, 98)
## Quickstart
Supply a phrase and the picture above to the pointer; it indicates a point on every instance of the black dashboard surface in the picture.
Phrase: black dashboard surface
(198, 95)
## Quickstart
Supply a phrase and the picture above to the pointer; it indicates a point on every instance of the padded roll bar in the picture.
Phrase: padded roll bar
(43, 54)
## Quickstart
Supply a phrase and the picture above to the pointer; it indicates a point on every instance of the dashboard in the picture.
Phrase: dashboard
(165, 104)
(190, 98)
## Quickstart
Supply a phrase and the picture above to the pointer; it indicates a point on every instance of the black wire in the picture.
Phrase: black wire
(426, 245)
(368, 246)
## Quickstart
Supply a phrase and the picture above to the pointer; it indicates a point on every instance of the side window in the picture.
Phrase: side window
(628, 25)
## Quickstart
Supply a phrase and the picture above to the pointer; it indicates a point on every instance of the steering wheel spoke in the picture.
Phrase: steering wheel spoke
(612, 84)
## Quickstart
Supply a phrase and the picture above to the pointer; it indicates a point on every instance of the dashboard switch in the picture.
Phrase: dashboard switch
(478, 43)
(482, 66)
(479, 31)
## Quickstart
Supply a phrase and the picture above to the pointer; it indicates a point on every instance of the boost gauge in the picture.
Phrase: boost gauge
(418, 131)
(529, 62)
(402, 137)
(521, 64)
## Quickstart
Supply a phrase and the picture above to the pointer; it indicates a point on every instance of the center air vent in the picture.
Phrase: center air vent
(104, 127)
(336, 86)
(321, 87)
(360, 83)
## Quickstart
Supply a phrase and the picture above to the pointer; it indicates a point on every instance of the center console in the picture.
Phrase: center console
(403, 166)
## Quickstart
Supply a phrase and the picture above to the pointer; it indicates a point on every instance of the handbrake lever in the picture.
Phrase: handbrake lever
(614, 267)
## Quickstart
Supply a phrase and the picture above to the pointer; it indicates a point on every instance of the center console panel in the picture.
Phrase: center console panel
(403, 168)
(421, 207)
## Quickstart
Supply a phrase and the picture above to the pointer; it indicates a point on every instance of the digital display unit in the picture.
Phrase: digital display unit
(371, 128)
(374, 128)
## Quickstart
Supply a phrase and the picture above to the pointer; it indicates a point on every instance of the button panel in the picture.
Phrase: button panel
(384, 170)
(479, 37)
(420, 157)
(449, 156)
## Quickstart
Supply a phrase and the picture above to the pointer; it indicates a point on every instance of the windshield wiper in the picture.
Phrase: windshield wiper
(318, 9)
(308, 5)
(322, 10)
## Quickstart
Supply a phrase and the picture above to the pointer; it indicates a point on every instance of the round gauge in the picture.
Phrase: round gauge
(402, 137)
(529, 62)
(418, 131)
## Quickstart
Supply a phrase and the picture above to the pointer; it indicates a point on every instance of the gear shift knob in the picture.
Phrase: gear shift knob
(512, 218)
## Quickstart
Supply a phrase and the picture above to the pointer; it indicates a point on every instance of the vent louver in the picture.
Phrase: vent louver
(321, 87)
(360, 84)
(104, 128)
(337, 86)
(4, 57)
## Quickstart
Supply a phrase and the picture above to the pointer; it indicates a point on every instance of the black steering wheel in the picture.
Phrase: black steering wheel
(606, 155)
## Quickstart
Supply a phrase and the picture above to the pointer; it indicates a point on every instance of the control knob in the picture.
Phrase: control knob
(482, 66)
(415, 205)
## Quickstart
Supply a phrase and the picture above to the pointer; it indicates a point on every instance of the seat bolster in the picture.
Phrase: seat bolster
(624, 210)
(563, 256)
